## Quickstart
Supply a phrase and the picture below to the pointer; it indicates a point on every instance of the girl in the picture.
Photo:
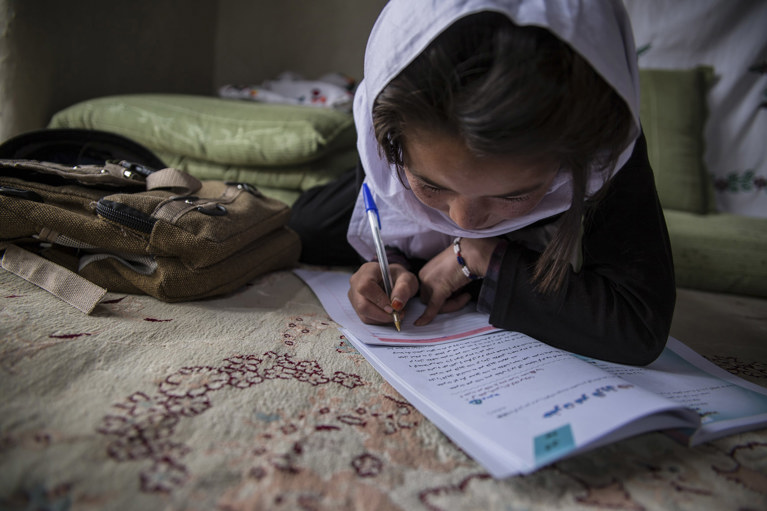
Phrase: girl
(502, 143)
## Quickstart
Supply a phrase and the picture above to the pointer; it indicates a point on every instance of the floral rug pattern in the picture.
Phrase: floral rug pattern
(256, 401)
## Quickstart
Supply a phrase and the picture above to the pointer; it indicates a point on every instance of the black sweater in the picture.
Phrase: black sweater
(619, 306)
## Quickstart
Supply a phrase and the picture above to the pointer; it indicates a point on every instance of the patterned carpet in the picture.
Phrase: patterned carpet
(255, 401)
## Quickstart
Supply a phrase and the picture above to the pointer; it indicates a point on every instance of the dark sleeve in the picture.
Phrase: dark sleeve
(618, 307)
(320, 216)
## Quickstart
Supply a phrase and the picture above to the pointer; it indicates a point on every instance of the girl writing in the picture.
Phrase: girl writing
(502, 142)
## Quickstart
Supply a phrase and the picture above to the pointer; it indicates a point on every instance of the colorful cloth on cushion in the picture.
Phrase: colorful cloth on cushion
(330, 91)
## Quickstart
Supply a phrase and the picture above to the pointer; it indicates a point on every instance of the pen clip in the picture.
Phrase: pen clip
(370, 204)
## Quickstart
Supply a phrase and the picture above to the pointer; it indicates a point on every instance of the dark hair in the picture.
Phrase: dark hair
(510, 90)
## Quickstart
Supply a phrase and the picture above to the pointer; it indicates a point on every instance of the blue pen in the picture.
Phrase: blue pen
(375, 225)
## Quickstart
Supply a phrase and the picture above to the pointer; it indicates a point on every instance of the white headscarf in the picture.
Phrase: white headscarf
(599, 31)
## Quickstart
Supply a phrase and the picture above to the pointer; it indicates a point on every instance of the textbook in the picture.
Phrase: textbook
(515, 404)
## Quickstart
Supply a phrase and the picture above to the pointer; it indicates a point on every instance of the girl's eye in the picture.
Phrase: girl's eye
(430, 188)
(426, 187)
(516, 198)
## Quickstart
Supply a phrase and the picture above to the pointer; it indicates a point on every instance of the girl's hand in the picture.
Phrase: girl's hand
(442, 278)
(368, 297)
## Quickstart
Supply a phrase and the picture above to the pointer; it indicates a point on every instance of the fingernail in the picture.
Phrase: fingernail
(388, 309)
(397, 304)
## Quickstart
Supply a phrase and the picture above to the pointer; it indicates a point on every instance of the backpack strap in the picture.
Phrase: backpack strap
(66, 285)
(178, 181)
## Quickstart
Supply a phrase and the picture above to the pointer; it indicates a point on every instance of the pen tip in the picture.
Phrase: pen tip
(396, 321)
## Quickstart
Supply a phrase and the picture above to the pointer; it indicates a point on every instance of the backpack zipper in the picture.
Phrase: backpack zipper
(125, 215)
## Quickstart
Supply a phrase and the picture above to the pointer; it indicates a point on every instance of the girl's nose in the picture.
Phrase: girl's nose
(468, 213)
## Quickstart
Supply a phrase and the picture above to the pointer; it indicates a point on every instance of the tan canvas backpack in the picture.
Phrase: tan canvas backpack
(81, 230)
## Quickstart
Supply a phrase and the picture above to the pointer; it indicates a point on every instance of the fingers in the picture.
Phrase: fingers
(405, 286)
(455, 303)
(368, 297)
(438, 306)
(438, 295)
(441, 284)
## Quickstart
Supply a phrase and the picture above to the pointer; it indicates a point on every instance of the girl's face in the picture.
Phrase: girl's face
(475, 192)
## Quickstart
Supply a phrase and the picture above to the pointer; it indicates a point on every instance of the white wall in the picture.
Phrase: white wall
(54, 53)
(258, 39)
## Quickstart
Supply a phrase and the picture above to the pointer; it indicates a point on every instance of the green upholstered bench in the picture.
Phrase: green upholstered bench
(713, 251)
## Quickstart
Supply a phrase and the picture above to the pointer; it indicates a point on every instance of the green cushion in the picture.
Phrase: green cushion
(673, 114)
(216, 130)
(281, 194)
(296, 178)
(719, 252)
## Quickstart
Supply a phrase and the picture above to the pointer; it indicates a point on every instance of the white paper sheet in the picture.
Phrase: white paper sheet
(332, 287)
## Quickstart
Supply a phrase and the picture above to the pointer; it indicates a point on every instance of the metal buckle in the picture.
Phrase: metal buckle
(133, 170)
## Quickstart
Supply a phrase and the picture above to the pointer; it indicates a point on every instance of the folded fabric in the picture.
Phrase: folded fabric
(281, 194)
(284, 183)
(217, 130)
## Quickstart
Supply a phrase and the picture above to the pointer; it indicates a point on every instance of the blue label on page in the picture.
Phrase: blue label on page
(554, 444)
